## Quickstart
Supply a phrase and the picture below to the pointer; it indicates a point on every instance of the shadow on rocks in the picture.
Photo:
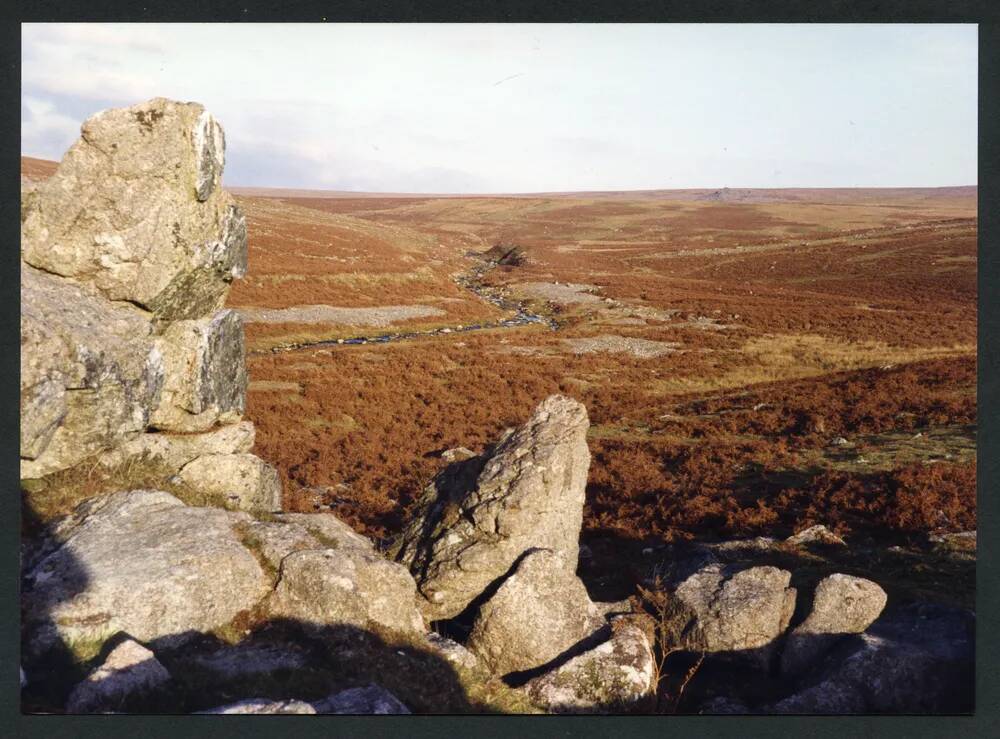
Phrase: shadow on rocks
(276, 658)
(52, 672)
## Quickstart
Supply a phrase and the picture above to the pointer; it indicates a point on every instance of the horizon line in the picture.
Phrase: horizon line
(541, 193)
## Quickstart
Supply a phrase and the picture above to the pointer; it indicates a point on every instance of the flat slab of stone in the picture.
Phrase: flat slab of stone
(173, 451)
(380, 316)
(642, 348)
(140, 562)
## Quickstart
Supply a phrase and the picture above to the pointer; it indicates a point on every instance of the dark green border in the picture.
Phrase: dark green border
(984, 723)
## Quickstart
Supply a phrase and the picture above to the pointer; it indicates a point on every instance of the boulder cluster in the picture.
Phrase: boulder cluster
(128, 251)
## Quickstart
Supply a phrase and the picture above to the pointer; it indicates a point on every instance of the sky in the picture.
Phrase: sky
(532, 108)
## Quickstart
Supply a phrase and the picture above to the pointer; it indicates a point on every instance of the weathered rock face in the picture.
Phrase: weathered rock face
(480, 515)
(140, 562)
(611, 677)
(130, 671)
(718, 610)
(136, 208)
(173, 451)
(90, 372)
(205, 375)
(240, 481)
(330, 587)
(842, 605)
(128, 251)
(538, 613)
(329, 530)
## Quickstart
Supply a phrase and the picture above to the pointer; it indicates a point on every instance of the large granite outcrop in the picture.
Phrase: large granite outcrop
(481, 515)
(128, 251)
(136, 208)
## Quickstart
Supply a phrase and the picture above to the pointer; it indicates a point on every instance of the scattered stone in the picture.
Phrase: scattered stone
(263, 706)
(840, 441)
(332, 587)
(378, 317)
(240, 481)
(741, 547)
(452, 651)
(609, 678)
(479, 516)
(554, 292)
(140, 562)
(818, 534)
(129, 671)
(642, 348)
(963, 542)
(718, 609)
(458, 454)
(136, 208)
(366, 701)
(539, 612)
(842, 605)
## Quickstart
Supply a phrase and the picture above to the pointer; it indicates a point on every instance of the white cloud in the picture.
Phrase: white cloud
(45, 131)
(396, 106)
(133, 36)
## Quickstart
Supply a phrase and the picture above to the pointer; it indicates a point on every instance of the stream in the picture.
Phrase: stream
(472, 281)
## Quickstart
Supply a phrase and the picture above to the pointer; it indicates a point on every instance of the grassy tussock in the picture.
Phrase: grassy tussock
(57, 494)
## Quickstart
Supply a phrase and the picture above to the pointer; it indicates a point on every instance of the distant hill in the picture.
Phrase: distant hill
(37, 169)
